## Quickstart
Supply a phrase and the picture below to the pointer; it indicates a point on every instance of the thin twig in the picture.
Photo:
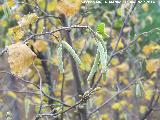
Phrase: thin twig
(3, 51)
(29, 92)
(46, 95)
(40, 87)
(62, 94)
(111, 98)
(84, 98)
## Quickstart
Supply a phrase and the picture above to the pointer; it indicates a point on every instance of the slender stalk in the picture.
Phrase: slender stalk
(62, 95)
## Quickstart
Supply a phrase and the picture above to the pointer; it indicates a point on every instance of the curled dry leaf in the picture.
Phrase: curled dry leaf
(17, 33)
(152, 65)
(68, 7)
(28, 19)
(20, 58)
(148, 49)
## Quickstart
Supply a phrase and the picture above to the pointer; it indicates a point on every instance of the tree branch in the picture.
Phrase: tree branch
(75, 71)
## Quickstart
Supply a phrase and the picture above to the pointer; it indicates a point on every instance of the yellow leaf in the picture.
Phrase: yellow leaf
(28, 19)
(1, 114)
(148, 49)
(130, 106)
(142, 109)
(134, 19)
(56, 35)
(68, 100)
(152, 65)
(145, 7)
(11, 94)
(115, 61)
(16, 16)
(150, 82)
(123, 79)
(99, 100)
(127, 93)
(3, 23)
(20, 57)
(111, 74)
(17, 33)
(52, 5)
(91, 20)
(45, 88)
(9, 3)
(148, 94)
(119, 11)
(57, 93)
(79, 44)
(55, 61)
(68, 7)
(41, 45)
(122, 67)
(122, 116)
(139, 39)
(120, 44)
(149, 19)
(116, 106)
(86, 62)
(123, 102)
(36, 99)
(105, 117)
(127, 29)
(69, 75)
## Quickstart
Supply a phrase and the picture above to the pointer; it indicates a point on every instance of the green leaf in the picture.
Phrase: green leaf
(118, 23)
(101, 29)
(119, 11)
